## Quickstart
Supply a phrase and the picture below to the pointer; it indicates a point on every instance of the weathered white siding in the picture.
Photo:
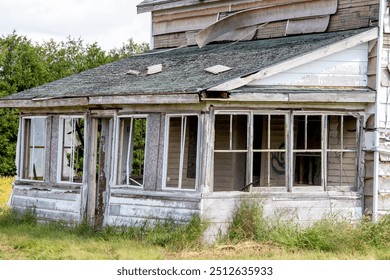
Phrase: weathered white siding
(48, 204)
(347, 68)
(302, 208)
(135, 208)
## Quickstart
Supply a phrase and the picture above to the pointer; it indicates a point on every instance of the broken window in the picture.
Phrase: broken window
(307, 150)
(181, 155)
(131, 153)
(292, 150)
(71, 149)
(342, 151)
(269, 151)
(230, 152)
(34, 144)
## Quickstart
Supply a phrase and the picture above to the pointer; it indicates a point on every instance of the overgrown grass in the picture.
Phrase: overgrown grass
(250, 237)
(329, 235)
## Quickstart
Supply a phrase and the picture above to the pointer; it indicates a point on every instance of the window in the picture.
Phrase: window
(342, 151)
(291, 149)
(71, 150)
(231, 152)
(181, 152)
(269, 150)
(307, 150)
(34, 148)
(131, 153)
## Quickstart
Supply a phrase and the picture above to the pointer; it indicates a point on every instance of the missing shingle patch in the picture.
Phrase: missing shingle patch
(216, 69)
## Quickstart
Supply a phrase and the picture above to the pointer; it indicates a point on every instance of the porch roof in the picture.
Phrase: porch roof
(183, 69)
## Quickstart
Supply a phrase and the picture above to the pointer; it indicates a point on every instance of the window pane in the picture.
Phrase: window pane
(307, 169)
(231, 132)
(342, 169)
(222, 132)
(269, 169)
(260, 132)
(307, 132)
(34, 148)
(277, 131)
(72, 154)
(342, 165)
(182, 152)
(229, 171)
(131, 156)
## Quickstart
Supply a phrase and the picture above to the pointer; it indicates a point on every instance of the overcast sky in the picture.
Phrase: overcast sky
(107, 22)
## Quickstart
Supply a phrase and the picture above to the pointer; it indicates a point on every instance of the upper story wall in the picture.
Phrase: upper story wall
(175, 23)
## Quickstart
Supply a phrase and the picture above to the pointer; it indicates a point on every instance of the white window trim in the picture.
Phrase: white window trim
(21, 148)
(165, 161)
(117, 145)
(60, 146)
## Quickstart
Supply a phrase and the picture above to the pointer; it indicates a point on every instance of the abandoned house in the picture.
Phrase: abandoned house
(285, 102)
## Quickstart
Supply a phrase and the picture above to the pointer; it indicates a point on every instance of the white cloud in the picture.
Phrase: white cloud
(108, 22)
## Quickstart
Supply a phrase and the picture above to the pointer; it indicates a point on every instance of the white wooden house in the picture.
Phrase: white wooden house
(284, 102)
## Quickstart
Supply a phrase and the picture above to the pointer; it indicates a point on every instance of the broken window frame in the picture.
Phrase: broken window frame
(230, 149)
(343, 150)
(269, 150)
(324, 146)
(182, 152)
(306, 151)
(118, 151)
(289, 140)
(60, 153)
(23, 165)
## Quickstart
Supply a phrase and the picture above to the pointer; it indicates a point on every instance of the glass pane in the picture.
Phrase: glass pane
(38, 132)
(34, 149)
(36, 164)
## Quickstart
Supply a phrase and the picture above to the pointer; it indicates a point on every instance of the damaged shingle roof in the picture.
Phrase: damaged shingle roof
(182, 68)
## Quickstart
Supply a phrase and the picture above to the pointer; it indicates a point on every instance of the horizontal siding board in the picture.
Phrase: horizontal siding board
(53, 215)
(175, 204)
(156, 212)
(346, 68)
(50, 194)
(44, 203)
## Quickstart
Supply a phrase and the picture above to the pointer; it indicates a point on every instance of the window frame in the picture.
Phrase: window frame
(118, 144)
(60, 149)
(21, 163)
(166, 151)
(289, 149)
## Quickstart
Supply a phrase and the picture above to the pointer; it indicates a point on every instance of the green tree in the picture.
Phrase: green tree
(24, 65)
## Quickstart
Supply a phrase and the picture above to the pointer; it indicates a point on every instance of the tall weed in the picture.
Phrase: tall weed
(330, 234)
